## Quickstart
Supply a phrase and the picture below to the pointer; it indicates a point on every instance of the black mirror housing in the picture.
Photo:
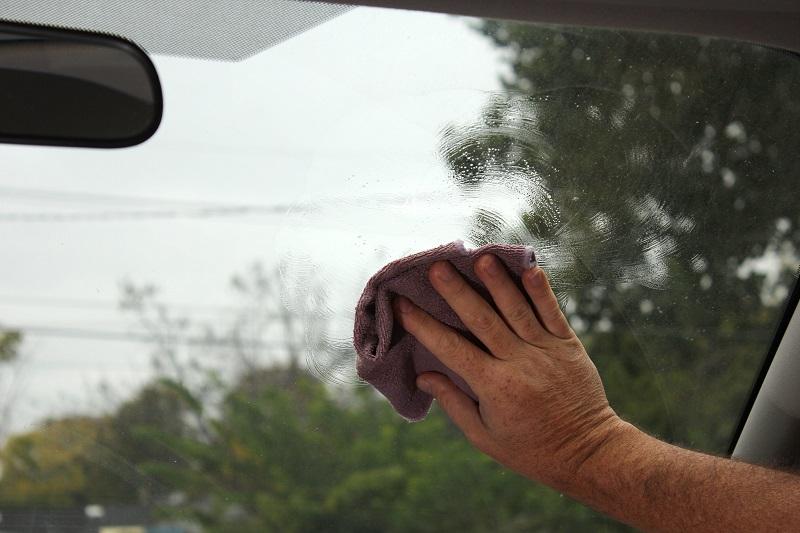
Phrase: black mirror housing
(64, 87)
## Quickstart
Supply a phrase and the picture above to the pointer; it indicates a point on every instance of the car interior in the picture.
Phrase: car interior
(193, 195)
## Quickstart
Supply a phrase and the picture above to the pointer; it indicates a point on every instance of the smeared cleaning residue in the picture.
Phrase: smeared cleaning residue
(621, 232)
(517, 171)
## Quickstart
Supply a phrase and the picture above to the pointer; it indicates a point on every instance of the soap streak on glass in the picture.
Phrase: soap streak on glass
(508, 188)
(572, 230)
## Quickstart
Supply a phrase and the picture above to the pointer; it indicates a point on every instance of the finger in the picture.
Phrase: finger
(513, 305)
(456, 352)
(461, 409)
(478, 316)
(545, 303)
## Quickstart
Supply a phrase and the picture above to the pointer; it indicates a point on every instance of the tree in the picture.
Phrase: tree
(283, 451)
(9, 345)
(10, 341)
(287, 456)
(44, 467)
(652, 172)
(272, 448)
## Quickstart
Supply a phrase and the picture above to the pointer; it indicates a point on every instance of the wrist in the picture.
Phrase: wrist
(600, 476)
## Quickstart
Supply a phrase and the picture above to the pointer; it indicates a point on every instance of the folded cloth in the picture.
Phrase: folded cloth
(389, 358)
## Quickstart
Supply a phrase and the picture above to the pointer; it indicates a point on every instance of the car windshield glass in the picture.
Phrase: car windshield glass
(177, 317)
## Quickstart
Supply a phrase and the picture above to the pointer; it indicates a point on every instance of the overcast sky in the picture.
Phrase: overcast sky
(341, 123)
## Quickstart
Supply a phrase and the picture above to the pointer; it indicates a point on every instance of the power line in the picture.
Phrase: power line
(150, 214)
(146, 338)
(185, 209)
(82, 197)
(95, 198)
(13, 300)
(142, 337)
(110, 305)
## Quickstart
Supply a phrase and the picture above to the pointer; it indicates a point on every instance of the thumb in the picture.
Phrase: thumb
(461, 409)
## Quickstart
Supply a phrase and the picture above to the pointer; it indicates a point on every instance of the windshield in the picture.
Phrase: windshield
(177, 317)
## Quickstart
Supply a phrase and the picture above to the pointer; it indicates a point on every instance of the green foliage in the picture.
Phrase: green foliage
(295, 458)
(9, 345)
(652, 171)
(287, 456)
(45, 467)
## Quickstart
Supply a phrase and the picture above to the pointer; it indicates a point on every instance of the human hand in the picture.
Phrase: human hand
(541, 409)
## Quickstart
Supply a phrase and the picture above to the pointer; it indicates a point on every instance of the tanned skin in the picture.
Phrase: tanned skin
(542, 411)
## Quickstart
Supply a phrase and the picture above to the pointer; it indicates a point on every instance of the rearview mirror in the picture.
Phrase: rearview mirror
(70, 88)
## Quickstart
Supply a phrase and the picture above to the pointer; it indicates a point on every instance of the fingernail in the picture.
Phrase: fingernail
(444, 271)
(424, 384)
(403, 304)
(490, 265)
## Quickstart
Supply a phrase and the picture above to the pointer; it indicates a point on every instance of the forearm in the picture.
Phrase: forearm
(655, 486)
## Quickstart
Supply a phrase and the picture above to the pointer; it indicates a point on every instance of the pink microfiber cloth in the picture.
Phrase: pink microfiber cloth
(389, 358)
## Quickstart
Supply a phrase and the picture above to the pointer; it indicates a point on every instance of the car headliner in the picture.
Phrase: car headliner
(235, 30)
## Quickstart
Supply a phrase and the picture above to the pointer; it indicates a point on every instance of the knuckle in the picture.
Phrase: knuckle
(457, 288)
(520, 312)
(484, 321)
(449, 342)
(553, 313)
